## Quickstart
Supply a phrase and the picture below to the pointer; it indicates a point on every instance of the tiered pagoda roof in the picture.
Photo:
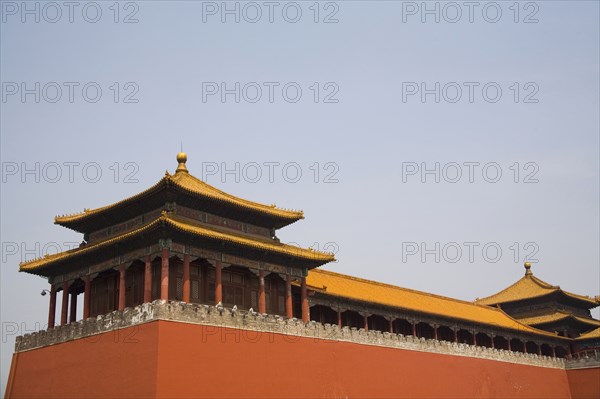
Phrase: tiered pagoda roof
(186, 190)
(530, 287)
(44, 266)
(545, 306)
(560, 316)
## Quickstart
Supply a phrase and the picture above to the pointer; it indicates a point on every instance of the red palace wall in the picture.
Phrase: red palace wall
(584, 383)
(170, 359)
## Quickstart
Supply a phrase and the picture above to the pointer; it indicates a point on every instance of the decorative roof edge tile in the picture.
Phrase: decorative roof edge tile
(510, 294)
(186, 182)
(592, 334)
(556, 316)
(212, 232)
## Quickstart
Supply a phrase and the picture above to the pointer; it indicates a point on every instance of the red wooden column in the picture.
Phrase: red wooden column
(186, 278)
(73, 311)
(218, 282)
(289, 311)
(339, 314)
(262, 305)
(86, 297)
(122, 287)
(164, 275)
(204, 272)
(509, 348)
(435, 331)
(65, 303)
(52, 309)
(553, 351)
(147, 280)
(493, 345)
(366, 322)
(539, 349)
(391, 321)
(304, 300)
(455, 336)
(414, 328)
(475, 338)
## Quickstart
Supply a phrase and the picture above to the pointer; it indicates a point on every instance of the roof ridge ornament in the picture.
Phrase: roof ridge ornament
(528, 271)
(181, 159)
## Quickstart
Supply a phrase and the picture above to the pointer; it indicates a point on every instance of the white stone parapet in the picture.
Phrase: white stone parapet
(244, 321)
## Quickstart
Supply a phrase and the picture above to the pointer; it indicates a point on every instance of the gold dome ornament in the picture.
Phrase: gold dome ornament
(181, 159)
(528, 269)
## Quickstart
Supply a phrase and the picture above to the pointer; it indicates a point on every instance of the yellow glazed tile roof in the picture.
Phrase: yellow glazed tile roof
(594, 334)
(359, 289)
(558, 315)
(529, 287)
(194, 186)
(254, 242)
(191, 228)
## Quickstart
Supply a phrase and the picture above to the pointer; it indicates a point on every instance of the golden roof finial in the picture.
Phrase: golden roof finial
(182, 159)
(528, 269)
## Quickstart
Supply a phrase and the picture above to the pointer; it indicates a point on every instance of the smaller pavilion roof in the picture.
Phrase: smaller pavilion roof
(593, 334)
(529, 287)
(558, 316)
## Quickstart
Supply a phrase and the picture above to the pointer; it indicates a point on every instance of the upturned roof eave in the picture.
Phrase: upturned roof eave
(590, 303)
(592, 334)
(302, 254)
(561, 316)
(545, 290)
(77, 220)
(276, 217)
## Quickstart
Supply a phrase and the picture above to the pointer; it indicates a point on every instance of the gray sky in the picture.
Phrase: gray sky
(348, 101)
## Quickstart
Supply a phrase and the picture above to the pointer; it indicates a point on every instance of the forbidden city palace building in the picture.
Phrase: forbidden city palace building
(186, 291)
(547, 307)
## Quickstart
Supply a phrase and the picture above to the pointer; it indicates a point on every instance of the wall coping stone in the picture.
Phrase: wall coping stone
(225, 317)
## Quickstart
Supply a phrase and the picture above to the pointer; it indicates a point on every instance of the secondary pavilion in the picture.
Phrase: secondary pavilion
(547, 307)
(183, 240)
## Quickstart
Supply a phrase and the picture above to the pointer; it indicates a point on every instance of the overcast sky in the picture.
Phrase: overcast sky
(432, 149)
